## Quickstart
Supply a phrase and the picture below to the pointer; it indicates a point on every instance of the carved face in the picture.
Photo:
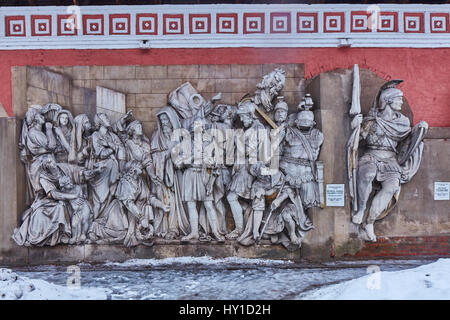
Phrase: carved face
(138, 130)
(164, 119)
(397, 103)
(226, 115)
(106, 122)
(280, 115)
(166, 125)
(214, 118)
(63, 120)
(50, 165)
(87, 125)
(39, 118)
(66, 184)
(246, 119)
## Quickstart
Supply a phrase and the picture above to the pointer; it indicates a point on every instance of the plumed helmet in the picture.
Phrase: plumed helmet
(246, 106)
(305, 117)
(281, 104)
(387, 96)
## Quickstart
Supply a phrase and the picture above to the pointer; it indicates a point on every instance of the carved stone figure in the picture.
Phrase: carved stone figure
(80, 145)
(135, 195)
(196, 175)
(301, 149)
(47, 221)
(269, 88)
(37, 145)
(63, 133)
(390, 157)
(80, 210)
(166, 185)
(241, 181)
(107, 151)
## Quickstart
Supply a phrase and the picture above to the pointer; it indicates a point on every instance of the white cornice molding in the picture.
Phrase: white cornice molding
(19, 26)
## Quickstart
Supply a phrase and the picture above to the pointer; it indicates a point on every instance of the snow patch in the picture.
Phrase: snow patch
(430, 281)
(14, 287)
(199, 261)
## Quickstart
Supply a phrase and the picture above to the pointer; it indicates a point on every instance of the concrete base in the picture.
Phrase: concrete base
(92, 253)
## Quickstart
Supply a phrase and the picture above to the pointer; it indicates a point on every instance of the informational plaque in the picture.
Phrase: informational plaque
(441, 190)
(335, 195)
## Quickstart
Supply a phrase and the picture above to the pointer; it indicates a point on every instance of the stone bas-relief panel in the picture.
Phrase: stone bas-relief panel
(106, 182)
(383, 152)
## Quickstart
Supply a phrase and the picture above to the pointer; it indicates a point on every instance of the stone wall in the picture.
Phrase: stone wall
(147, 87)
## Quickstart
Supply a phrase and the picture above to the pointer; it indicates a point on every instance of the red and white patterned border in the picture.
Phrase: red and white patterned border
(180, 26)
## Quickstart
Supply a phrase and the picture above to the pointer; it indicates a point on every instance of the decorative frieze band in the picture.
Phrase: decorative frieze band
(180, 26)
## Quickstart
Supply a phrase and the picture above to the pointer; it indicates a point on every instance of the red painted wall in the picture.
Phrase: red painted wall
(426, 71)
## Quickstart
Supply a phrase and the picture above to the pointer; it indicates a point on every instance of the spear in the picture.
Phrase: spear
(353, 142)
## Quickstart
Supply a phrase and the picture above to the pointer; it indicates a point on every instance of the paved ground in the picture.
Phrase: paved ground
(206, 278)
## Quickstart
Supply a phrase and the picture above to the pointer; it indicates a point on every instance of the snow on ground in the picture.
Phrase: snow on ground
(430, 281)
(205, 260)
(13, 287)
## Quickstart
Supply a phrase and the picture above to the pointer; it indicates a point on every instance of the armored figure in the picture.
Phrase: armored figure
(390, 157)
(301, 149)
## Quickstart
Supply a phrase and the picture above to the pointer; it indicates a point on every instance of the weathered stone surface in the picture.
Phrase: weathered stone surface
(119, 72)
(131, 100)
(151, 72)
(19, 86)
(37, 77)
(165, 85)
(246, 71)
(60, 254)
(231, 85)
(110, 100)
(144, 114)
(182, 71)
(155, 100)
(12, 200)
(288, 68)
(40, 96)
(215, 71)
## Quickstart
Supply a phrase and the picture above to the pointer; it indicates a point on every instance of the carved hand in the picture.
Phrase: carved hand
(357, 120)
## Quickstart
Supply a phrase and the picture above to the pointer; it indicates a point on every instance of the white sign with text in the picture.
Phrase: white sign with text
(441, 190)
(335, 195)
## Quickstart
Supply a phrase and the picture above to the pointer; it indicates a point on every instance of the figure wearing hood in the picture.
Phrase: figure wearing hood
(166, 183)
(63, 133)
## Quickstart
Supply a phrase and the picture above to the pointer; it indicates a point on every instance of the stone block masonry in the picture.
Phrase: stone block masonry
(146, 87)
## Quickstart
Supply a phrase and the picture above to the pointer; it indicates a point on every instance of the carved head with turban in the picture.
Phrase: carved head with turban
(101, 120)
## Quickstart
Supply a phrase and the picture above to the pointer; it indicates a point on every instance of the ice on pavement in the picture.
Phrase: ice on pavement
(430, 281)
(13, 287)
(232, 278)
